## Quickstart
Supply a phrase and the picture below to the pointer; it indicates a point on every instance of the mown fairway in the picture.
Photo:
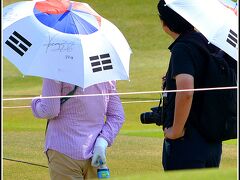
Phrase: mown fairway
(136, 153)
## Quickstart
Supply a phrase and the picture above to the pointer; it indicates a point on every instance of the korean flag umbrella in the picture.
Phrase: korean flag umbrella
(64, 40)
(217, 20)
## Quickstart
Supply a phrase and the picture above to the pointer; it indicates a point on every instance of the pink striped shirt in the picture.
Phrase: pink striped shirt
(75, 125)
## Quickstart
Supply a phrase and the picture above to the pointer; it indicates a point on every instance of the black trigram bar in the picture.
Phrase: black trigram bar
(104, 56)
(101, 62)
(97, 63)
(97, 69)
(232, 38)
(18, 43)
(93, 58)
(106, 61)
(107, 67)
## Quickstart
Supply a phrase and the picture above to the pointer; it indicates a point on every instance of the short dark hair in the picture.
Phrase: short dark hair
(172, 20)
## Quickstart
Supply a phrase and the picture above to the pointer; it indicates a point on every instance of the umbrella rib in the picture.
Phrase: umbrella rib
(53, 26)
(125, 72)
(76, 19)
(67, 24)
(73, 19)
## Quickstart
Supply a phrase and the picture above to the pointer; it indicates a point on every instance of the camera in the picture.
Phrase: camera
(152, 117)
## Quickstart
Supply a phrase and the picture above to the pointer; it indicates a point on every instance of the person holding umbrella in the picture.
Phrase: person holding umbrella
(184, 147)
(77, 52)
(77, 133)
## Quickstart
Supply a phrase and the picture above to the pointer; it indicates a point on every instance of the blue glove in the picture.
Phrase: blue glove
(99, 152)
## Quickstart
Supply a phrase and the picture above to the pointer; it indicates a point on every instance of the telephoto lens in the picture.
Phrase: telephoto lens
(146, 118)
(152, 117)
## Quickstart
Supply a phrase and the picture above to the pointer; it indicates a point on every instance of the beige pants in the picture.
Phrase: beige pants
(62, 167)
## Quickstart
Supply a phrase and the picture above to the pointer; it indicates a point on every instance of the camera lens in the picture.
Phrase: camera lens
(147, 118)
(152, 117)
(142, 118)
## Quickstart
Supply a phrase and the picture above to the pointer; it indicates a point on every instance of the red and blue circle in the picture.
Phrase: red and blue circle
(67, 17)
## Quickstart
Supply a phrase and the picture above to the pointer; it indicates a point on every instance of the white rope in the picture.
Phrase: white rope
(147, 101)
(15, 107)
(126, 93)
(126, 102)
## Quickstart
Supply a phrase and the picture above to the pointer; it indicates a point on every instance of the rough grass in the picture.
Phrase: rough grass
(130, 157)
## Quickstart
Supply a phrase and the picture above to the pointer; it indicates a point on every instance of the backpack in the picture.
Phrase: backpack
(218, 115)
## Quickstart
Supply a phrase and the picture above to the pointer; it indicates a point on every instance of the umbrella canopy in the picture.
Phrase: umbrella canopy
(213, 18)
(231, 4)
(64, 40)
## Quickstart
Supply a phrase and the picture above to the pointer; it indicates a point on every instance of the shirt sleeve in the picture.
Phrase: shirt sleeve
(114, 117)
(47, 108)
(182, 60)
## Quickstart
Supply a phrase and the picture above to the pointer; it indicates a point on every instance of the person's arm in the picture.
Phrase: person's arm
(183, 103)
(114, 117)
(114, 120)
(50, 107)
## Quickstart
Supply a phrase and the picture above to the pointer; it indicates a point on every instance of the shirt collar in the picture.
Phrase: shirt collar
(174, 42)
(182, 35)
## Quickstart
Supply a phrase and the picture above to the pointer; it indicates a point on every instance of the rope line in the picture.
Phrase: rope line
(125, 93)
(90, 95)
(15, 107)
(25, 162)
(126, 102)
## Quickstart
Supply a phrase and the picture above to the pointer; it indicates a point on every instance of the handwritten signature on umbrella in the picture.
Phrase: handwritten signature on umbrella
(63, 46)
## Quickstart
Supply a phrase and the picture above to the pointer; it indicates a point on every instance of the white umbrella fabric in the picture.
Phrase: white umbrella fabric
(217, 22)
(64, 40)
(231, 4)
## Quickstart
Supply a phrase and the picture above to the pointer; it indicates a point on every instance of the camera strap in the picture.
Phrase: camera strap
(163, 105)
(160, 101)
(163, 97)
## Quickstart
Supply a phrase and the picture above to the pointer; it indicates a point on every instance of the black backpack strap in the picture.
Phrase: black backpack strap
(207, 51)
(200, 46)
(63, 100)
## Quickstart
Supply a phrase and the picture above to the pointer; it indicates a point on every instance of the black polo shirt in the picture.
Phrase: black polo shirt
(185, 59)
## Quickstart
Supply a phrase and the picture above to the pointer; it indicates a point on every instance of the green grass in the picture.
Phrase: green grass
(136, 153)
(187, 175)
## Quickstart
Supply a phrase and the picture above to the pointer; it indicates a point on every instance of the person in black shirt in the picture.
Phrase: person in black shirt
(184, 147)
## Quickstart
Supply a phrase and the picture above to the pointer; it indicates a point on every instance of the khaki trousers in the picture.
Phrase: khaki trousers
(62, 167)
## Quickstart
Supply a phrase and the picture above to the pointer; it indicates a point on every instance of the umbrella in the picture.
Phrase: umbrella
(64, 40)
(233, 5)
(213, 18)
